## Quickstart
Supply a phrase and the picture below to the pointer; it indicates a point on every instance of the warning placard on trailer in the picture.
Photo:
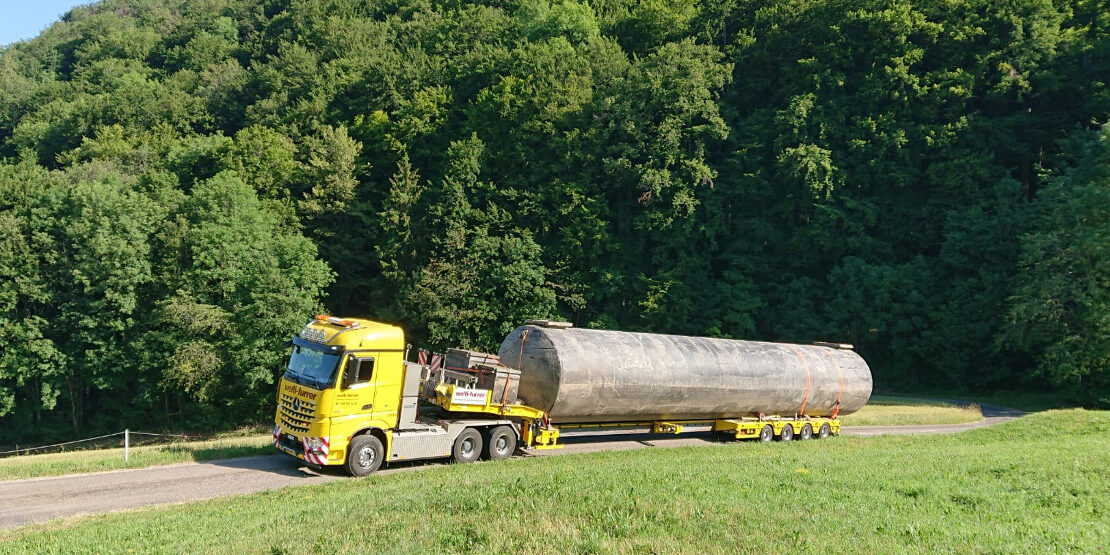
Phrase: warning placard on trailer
(469, 397)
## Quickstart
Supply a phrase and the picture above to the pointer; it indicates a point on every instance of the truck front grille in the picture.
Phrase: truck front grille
(296, 413)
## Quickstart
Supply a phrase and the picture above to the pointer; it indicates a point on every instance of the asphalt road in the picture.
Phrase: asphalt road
(41, 499)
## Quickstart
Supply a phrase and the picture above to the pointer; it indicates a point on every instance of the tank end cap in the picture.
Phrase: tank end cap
(549, 324)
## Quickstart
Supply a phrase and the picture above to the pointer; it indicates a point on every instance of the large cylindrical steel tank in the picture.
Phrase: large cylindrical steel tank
(585, 375)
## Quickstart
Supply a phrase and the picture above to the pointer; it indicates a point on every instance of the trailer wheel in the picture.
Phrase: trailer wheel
(501, 443)
(767, 434)
(787, 433)
(824, 432)
(364, 455)
(807, 432)
(468, 446)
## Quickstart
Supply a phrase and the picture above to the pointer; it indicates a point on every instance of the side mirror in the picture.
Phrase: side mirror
(350, 376)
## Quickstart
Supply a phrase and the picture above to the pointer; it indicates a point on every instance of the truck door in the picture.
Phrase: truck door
(358, 381)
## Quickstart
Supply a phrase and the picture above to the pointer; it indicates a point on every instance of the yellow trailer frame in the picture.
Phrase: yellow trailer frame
(538, 433)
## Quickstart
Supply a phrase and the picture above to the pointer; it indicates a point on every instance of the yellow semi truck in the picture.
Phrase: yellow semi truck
(350, 397)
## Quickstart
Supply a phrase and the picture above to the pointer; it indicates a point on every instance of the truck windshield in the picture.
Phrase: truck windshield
(312, 365)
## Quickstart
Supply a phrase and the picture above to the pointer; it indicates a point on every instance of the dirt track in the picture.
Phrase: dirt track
(41, 499)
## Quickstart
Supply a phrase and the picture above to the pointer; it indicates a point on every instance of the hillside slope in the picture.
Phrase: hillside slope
(183, 183)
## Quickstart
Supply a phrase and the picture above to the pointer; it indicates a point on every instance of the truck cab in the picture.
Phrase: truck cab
(344, 378)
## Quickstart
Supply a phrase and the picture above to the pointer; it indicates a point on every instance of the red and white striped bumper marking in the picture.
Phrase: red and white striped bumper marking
(315, 455)
(277, 435)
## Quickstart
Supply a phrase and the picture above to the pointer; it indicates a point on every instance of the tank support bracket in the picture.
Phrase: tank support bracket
(668, 428)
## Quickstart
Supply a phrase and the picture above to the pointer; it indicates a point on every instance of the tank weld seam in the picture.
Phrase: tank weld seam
(840, 390)
(809, 380)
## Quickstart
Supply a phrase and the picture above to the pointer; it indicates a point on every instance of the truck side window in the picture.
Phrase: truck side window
(359, 370)
(365, 370)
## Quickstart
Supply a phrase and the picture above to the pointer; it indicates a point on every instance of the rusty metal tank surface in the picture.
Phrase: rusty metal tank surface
(585, 375)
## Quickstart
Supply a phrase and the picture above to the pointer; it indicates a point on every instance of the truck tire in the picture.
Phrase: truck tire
(767, 434)
(364, 455)
(787, 432)
(807, 432)
(824, 432)
(468, 446)
(501, 443)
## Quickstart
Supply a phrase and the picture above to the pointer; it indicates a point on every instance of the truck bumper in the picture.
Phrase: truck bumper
(313, 449)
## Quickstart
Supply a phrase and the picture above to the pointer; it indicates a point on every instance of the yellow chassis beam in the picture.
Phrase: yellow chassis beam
(538, 435)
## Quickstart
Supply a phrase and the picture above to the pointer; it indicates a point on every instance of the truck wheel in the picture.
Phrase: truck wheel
(824, 432)
(468, 446)
(807, 432)
(364, 455)
(501, 443)
(767, 434)
(787, 433)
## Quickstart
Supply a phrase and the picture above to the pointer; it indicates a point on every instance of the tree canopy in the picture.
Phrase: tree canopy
(183, 184)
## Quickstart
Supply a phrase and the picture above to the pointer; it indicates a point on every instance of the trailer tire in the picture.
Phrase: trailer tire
(364, 455)
(767, 434)
(501, 443)
(807, 432)
(468, 446)
(824, 432)
(787, 432)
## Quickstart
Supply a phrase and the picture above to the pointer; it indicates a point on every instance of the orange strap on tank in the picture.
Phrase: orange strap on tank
(519, 361)
(840, 391)
(809, 379)
(520, 357)
(505, 393)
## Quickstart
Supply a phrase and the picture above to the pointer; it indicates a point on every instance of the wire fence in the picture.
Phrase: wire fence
(100, 442)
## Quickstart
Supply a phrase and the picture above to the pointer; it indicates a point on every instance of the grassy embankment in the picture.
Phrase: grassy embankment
(1029, 401)
(1036, 484)
(880, 411)
(96, 460)
(890, 410)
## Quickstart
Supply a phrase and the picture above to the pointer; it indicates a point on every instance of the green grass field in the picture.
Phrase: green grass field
(96, 460)
(1033, 485)
(888, 410)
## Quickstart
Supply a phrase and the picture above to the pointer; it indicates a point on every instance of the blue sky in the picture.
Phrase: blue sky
(24, 19)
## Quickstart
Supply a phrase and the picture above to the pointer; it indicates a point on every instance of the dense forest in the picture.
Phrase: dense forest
(183, 184)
